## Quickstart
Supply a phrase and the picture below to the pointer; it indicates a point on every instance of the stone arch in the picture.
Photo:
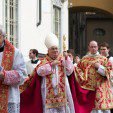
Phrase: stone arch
(90, 9)
(105, 5)
(80, 25)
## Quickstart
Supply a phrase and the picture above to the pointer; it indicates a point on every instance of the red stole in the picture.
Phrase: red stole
(7, 62)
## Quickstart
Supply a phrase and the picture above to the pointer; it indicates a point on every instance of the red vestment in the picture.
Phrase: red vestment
(31, 99)
(83, 99)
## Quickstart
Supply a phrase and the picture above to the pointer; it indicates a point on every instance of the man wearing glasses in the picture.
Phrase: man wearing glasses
(93, 73)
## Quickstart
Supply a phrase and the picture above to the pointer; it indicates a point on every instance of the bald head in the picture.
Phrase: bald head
(93, 47)
(93, 43)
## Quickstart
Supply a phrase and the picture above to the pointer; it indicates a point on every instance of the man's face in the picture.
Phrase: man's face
(53, 52)
(1, 38)
(93, 47)
(104, 51)
(71, 56)
(77, 59)
(31, 55)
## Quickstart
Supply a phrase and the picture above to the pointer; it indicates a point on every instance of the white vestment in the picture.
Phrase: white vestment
(30, 66)
(14, 78)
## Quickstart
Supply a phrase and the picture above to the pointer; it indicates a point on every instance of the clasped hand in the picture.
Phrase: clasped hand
(55, 62)
(96, 65)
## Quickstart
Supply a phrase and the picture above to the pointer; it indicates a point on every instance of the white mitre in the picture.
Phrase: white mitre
(51, 40)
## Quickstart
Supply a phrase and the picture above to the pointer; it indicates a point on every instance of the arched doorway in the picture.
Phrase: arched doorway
(89, 23)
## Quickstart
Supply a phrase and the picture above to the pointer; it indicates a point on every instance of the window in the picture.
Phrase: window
(57, 21)
(11, 21)
(99, 32)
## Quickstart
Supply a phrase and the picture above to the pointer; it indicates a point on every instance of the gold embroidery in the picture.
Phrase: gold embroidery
(88, 77)
(7, 62)
(53, 100)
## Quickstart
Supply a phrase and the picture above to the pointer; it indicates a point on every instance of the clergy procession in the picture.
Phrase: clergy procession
(58, 82)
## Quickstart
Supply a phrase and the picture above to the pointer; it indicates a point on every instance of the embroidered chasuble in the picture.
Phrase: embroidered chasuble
(55, 100)
(7, 62)
(89, 78)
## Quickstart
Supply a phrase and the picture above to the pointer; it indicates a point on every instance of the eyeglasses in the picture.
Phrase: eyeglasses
(93, 46)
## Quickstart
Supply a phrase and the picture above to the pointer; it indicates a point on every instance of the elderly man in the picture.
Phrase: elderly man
(93, 73)
(53, 87)
(12, 74)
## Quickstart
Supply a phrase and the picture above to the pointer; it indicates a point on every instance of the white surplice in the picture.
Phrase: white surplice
(14, 78)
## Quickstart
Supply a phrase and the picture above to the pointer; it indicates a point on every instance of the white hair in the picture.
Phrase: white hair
(2, 30)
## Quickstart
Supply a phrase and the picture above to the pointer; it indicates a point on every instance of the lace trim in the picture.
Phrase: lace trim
(13, 108)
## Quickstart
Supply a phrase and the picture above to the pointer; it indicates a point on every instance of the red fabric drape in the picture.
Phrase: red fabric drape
(31, 99)
(83, 99)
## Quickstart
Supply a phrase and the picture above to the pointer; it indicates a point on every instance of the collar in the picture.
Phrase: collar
(34, 61)
(94, 54)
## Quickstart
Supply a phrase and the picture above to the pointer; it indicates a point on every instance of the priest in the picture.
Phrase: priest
(48, 89)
